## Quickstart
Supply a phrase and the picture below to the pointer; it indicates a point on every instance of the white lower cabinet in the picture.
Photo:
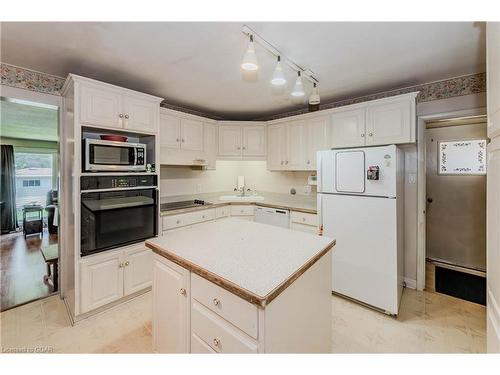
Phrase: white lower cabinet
(109, 276)
(198, 346)
(170, 307)
(304, 222)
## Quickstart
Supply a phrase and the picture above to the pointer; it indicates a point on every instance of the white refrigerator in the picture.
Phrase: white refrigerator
(361, 205)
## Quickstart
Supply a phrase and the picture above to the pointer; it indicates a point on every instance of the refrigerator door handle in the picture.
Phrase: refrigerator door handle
(318, 173)
(320, 217)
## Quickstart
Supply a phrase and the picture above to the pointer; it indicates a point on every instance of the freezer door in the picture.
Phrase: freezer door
(365, 257)
(350, 171)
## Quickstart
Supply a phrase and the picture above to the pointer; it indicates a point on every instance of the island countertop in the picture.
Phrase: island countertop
(255, 261)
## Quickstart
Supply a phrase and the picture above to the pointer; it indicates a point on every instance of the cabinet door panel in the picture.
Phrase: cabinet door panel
(317, 139)
(142, 114)
(230, 140)
(138, 270)
(348, 128)
(170, 307)
(389, 123)
(191, 135)
(170, 131)
(210, 139)
(100, 106)
(101, 280)
(276, 147)
(254, 140)
(296, 145)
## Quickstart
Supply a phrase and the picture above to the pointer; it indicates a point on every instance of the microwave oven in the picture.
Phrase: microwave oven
(109, 156)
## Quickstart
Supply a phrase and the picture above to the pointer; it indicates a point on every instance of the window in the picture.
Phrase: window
(28, 183)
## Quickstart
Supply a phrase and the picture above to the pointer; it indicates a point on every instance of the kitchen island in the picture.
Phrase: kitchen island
(234, 286)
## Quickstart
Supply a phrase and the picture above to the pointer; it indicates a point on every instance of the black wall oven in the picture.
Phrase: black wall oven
(117, 216)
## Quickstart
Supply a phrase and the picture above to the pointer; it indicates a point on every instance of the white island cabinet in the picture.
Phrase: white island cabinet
(244, 288)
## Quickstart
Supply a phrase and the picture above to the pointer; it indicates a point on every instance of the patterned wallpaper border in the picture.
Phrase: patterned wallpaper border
(470, 84)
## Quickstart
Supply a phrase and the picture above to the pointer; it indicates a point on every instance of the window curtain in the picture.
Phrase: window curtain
(8, 190)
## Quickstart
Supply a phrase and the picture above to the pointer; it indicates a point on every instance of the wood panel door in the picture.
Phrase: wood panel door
(210, 144)
(388, 123)
(296, 146)
(101, 106)
(140, 115)
(317, 139)
(191, 135)
(101, 280)
(138, 269)
(348, 128)
(170, 307)
(254, 140)
(170, 131)
(230, 140)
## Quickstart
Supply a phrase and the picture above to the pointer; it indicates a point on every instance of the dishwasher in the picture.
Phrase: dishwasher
(272, 216)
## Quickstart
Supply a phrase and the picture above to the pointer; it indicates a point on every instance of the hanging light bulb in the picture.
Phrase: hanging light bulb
(249, 62)
(278, 78)
(298, 89)
(314, 99)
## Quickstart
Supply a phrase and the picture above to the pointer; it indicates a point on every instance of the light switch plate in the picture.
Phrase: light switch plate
(307, 189)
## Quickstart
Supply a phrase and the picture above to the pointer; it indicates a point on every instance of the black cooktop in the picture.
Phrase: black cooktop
(182, 204)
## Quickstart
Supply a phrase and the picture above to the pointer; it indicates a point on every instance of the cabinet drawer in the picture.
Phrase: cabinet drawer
(304, 218)
(176, 221)
(304, 228)
(198, 346)
(243, 210)
(222, 212)
(218, 333)
(241, 313)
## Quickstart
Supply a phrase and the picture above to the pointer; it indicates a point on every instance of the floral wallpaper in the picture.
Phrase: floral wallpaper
(465, 85)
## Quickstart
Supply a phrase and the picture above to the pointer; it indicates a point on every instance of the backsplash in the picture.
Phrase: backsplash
(470, 84)
(184, 180)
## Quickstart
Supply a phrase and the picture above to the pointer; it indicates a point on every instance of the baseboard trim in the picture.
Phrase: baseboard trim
(493, 317)
(410, 283)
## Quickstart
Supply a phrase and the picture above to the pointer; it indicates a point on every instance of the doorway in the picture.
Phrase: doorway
(29, 231)
(456, 207)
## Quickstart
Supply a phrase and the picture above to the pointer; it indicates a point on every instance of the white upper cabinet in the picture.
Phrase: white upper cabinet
(230, 140)
(276, 147)
(296, 145)
(242, 139)
(389, 122)
(110, 106)
(101, 106)
(140, 115)
(210, 144)
(191, 135)
(254, 140)
(348, 128)
(170, 131)
(317, 139)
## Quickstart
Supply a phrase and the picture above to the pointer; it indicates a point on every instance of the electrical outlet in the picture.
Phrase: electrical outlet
(412, 178)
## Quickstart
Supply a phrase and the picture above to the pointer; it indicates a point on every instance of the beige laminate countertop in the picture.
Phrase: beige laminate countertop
(255, 261)
(302, 203)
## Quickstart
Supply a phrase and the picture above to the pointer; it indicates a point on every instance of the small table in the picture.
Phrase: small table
(51, 256)
(32, 225)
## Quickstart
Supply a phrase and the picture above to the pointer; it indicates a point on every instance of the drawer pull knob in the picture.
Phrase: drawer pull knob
(127, 263)
(216, 342)
(178, 221)
(303, 219)
(183, 291)
(216, 302)
(120, 265)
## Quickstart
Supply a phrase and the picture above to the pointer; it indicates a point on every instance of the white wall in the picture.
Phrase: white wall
(184, 180)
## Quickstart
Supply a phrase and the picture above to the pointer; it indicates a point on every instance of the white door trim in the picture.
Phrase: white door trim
(421, 188)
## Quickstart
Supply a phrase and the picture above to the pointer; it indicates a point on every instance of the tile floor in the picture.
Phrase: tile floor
(428, 322)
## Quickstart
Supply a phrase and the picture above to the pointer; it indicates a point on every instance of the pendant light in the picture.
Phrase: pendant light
(298, 89)
(314, 99)
(278, 78)
(249, 62)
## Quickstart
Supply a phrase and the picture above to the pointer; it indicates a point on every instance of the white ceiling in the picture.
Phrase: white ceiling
(196, 65)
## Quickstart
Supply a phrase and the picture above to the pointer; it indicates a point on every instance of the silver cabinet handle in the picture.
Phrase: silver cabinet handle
(120, 115)
(126, 116)
(244, 148)
(120, 265)
(308, 162)
(370, 134)
(127, 263)
(177, 139)
(282, 162)
(216, 302)
(178, 222)
(286, 162)
(216, 342)
(239, 148)
(362, 135)
(183, 291)
(203, 217)
(303, 219)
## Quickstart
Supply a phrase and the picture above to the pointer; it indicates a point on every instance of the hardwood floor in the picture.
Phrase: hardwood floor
(22, 268)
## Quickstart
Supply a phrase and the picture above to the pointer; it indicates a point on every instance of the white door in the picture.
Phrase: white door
(101, 106)
(348, 128)
(170, 307)
(191, 135)
(230, 140)
(138, 269)
(296, 145)
(254, 140)
(140, 115)
(317, 139)
(170, 131)
(210, 146)
(389, 123)
(101, 280)
(276, 147)
(365, 258)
